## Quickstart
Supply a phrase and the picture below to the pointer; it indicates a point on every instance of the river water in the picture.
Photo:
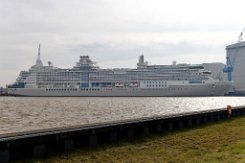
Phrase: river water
(31, 113)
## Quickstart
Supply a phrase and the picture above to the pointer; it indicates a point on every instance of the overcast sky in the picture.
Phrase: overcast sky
(115, 32)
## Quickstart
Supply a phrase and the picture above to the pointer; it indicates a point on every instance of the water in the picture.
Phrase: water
(31, 113)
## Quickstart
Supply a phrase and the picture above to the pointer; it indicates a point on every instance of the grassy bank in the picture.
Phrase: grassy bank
(217, 142)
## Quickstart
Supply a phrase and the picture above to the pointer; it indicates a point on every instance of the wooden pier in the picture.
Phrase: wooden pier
(38, 143)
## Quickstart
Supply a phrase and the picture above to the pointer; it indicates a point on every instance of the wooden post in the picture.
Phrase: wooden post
(159, 128)
(189, 122)
(39, 150)
(131, 133)
(146, 130)
(93, 141)
(180, 124)
(4, 156)
(170, 125)
(113, 136)
(69, 145)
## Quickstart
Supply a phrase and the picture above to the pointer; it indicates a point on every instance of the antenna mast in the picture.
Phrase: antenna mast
(39, 62)
(39, 47)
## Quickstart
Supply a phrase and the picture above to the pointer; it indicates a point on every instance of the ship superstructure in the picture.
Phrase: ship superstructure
(87, 79)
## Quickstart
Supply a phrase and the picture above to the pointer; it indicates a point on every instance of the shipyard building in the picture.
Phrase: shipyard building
(235, 68)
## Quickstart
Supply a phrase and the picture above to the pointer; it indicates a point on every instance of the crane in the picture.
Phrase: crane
(240, 37)
(228, 68)
(230, 64)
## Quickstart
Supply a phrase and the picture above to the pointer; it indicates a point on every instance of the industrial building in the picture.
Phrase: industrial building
(235, 67)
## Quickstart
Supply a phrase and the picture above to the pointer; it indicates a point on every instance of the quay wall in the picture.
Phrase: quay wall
(39, 143)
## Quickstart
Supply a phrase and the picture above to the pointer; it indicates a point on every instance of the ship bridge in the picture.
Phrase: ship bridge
(85, 63)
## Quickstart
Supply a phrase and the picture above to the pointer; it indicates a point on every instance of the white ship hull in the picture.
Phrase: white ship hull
(88, 80)
(217, 89)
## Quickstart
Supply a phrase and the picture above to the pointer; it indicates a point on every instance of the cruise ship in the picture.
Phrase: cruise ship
(87, 79)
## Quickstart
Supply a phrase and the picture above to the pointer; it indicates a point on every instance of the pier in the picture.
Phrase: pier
(39, 143)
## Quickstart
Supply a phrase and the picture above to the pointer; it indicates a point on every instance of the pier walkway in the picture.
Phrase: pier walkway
(38, 143)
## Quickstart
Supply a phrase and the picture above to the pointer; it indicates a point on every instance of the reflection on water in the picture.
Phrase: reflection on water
(28, 113)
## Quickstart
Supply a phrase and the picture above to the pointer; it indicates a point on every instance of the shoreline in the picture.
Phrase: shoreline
(214, 142)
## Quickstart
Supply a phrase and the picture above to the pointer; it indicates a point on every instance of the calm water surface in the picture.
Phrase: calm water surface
(29, 113)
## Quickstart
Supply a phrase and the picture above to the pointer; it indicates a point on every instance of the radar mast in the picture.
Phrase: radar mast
(39, 62)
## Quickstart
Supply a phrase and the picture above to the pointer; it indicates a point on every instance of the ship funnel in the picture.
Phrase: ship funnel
(141, 63)
(141, 59)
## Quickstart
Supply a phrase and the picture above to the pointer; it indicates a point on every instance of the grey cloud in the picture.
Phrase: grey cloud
(64, 17)
(123, 52)
(112, 32)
